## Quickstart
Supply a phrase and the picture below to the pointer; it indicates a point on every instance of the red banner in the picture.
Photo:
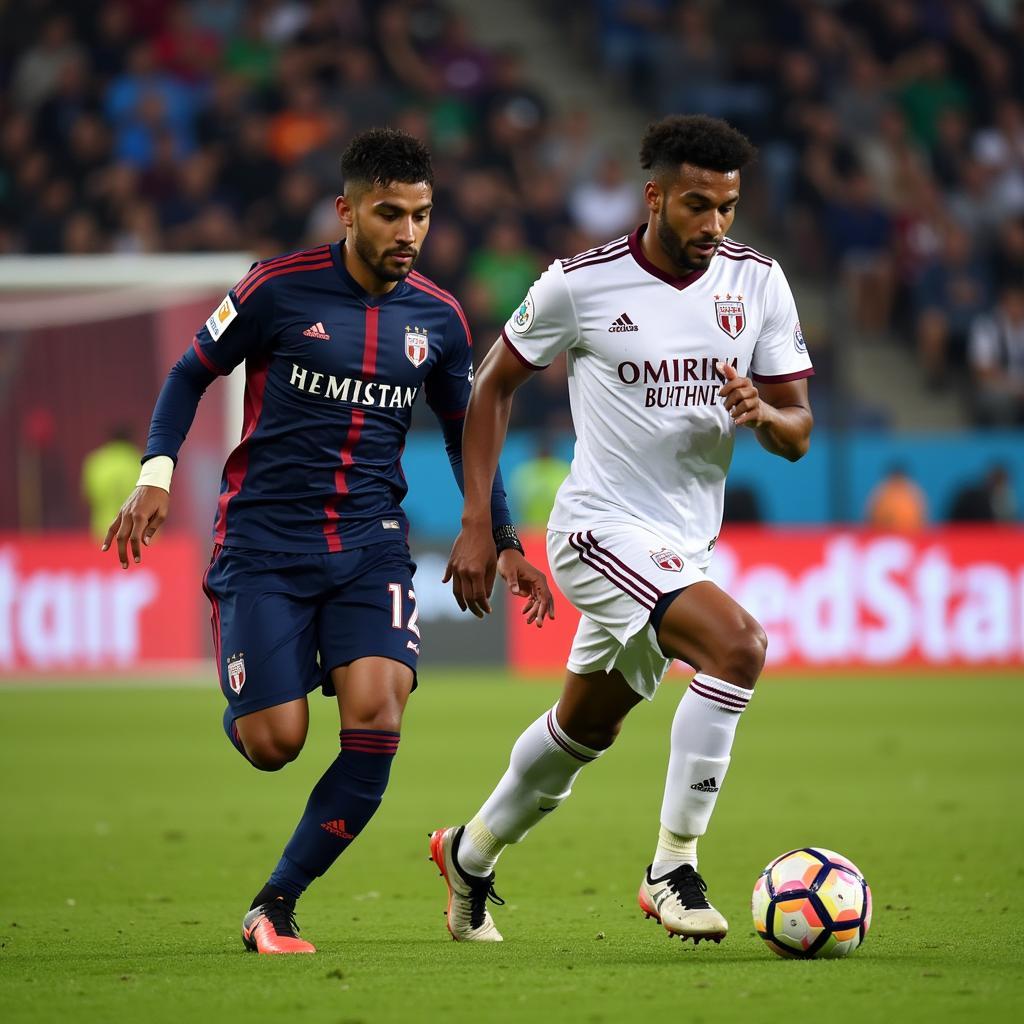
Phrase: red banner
(849, 599)
(67, 607)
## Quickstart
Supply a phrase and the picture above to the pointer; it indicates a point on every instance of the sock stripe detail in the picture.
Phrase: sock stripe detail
(369, 741)
(557, 737)
(728, 700)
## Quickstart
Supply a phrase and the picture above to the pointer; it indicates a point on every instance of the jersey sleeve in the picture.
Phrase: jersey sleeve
(447, 385)
(238, 327)
(545, 323)
(780, 353)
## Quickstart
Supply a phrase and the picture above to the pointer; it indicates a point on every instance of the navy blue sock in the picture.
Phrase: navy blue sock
(339, 807)
(232, 733)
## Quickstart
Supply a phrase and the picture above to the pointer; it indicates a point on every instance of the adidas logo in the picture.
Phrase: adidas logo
(622, 323)
(317, 330)
(707, 786)
(337, 828)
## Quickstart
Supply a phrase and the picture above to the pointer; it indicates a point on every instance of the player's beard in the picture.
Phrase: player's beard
(377, 261)
(676, 250)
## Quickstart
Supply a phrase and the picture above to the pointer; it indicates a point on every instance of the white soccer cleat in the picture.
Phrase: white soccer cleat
(468, 917)
(677, 902)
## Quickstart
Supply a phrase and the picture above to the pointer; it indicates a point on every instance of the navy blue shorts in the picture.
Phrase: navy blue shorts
(281, 622)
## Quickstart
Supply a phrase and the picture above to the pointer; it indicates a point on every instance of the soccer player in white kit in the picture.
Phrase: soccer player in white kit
(676, 336)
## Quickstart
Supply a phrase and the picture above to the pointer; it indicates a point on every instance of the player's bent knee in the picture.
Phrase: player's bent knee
(746, 655)
(270, 755)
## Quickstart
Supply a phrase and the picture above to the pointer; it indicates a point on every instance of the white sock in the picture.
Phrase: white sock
(541, 770)
(702, 734)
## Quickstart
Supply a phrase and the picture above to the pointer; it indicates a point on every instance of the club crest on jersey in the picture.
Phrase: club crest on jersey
(731, 315)
(667, 560)
(236, 672)
(416, 345)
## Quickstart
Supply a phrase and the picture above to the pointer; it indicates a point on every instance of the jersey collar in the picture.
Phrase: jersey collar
(637, 251)
(338, 256)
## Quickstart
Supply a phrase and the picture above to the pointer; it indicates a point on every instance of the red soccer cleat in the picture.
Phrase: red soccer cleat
(271, 928)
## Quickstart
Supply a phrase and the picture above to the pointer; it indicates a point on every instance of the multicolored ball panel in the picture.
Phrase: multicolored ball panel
(811, 903)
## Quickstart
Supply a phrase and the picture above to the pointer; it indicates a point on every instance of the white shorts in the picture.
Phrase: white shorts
(614, 576)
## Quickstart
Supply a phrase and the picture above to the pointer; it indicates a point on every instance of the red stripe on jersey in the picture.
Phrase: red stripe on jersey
(238, 461)
(424, 284)
(370, 341)
(322, 265)
(214, 608)
(782, 378)
(519, 355)
(206, 361)
(459, 414)
(355, 428)
(279, 261)
(249, 281)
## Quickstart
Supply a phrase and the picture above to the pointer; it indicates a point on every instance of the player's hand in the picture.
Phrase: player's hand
(471, 568)
(525, 580)
(741, 399)
(136, 524)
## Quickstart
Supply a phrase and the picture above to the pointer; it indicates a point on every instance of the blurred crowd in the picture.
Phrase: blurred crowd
(892, 155)
(202, 125)
(891, 136)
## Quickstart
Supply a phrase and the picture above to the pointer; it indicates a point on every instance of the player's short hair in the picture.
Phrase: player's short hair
(381, 156)
(696, 139)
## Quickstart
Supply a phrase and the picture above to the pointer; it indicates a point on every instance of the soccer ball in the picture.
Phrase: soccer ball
(811, 903)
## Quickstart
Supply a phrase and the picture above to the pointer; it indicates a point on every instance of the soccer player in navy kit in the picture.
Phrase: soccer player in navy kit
(310, 581)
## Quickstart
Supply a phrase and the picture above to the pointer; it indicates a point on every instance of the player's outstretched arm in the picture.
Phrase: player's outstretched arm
(136, 524)
(779, 413)
(473, 562)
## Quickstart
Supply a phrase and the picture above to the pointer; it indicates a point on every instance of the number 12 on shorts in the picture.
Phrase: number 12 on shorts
(397, 611)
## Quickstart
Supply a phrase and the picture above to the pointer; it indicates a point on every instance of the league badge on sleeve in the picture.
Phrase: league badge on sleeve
(667, 560)
(236, 672)
(523, 316)
(221, 317)
(416, 345)
(731, 315)
(798, 338)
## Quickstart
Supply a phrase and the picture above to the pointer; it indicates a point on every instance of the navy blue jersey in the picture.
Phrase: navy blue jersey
(332, 373)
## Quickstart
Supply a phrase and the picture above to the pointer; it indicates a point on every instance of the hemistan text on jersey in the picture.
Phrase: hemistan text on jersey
(687, 381)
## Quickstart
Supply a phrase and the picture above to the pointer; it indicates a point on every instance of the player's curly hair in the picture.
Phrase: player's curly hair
(695, 139)
(381, 156)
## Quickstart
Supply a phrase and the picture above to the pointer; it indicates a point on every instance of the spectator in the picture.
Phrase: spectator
(897, 503)
(505, 268)
(997, 360)
(950, 293)
(108, 472)
(607, 205)
(987, 500)
(535, 483)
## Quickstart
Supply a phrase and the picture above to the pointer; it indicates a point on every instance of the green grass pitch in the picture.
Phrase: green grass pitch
(134, 836)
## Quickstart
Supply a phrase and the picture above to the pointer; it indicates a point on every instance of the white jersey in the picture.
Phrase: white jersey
(653, 439)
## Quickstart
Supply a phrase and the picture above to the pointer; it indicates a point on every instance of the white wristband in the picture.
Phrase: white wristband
(157, 472)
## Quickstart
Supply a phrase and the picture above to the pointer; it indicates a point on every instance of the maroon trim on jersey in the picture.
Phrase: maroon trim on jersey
(315, 259)
(598, 250)
(624, 251)
(729, 254)
(519, 355)
(783, 377)
(238, 461)
(739, 247)
(205, 360)
(637, 249)
(424, 284)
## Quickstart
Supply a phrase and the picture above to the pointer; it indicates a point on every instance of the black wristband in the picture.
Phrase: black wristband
(505, 537)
